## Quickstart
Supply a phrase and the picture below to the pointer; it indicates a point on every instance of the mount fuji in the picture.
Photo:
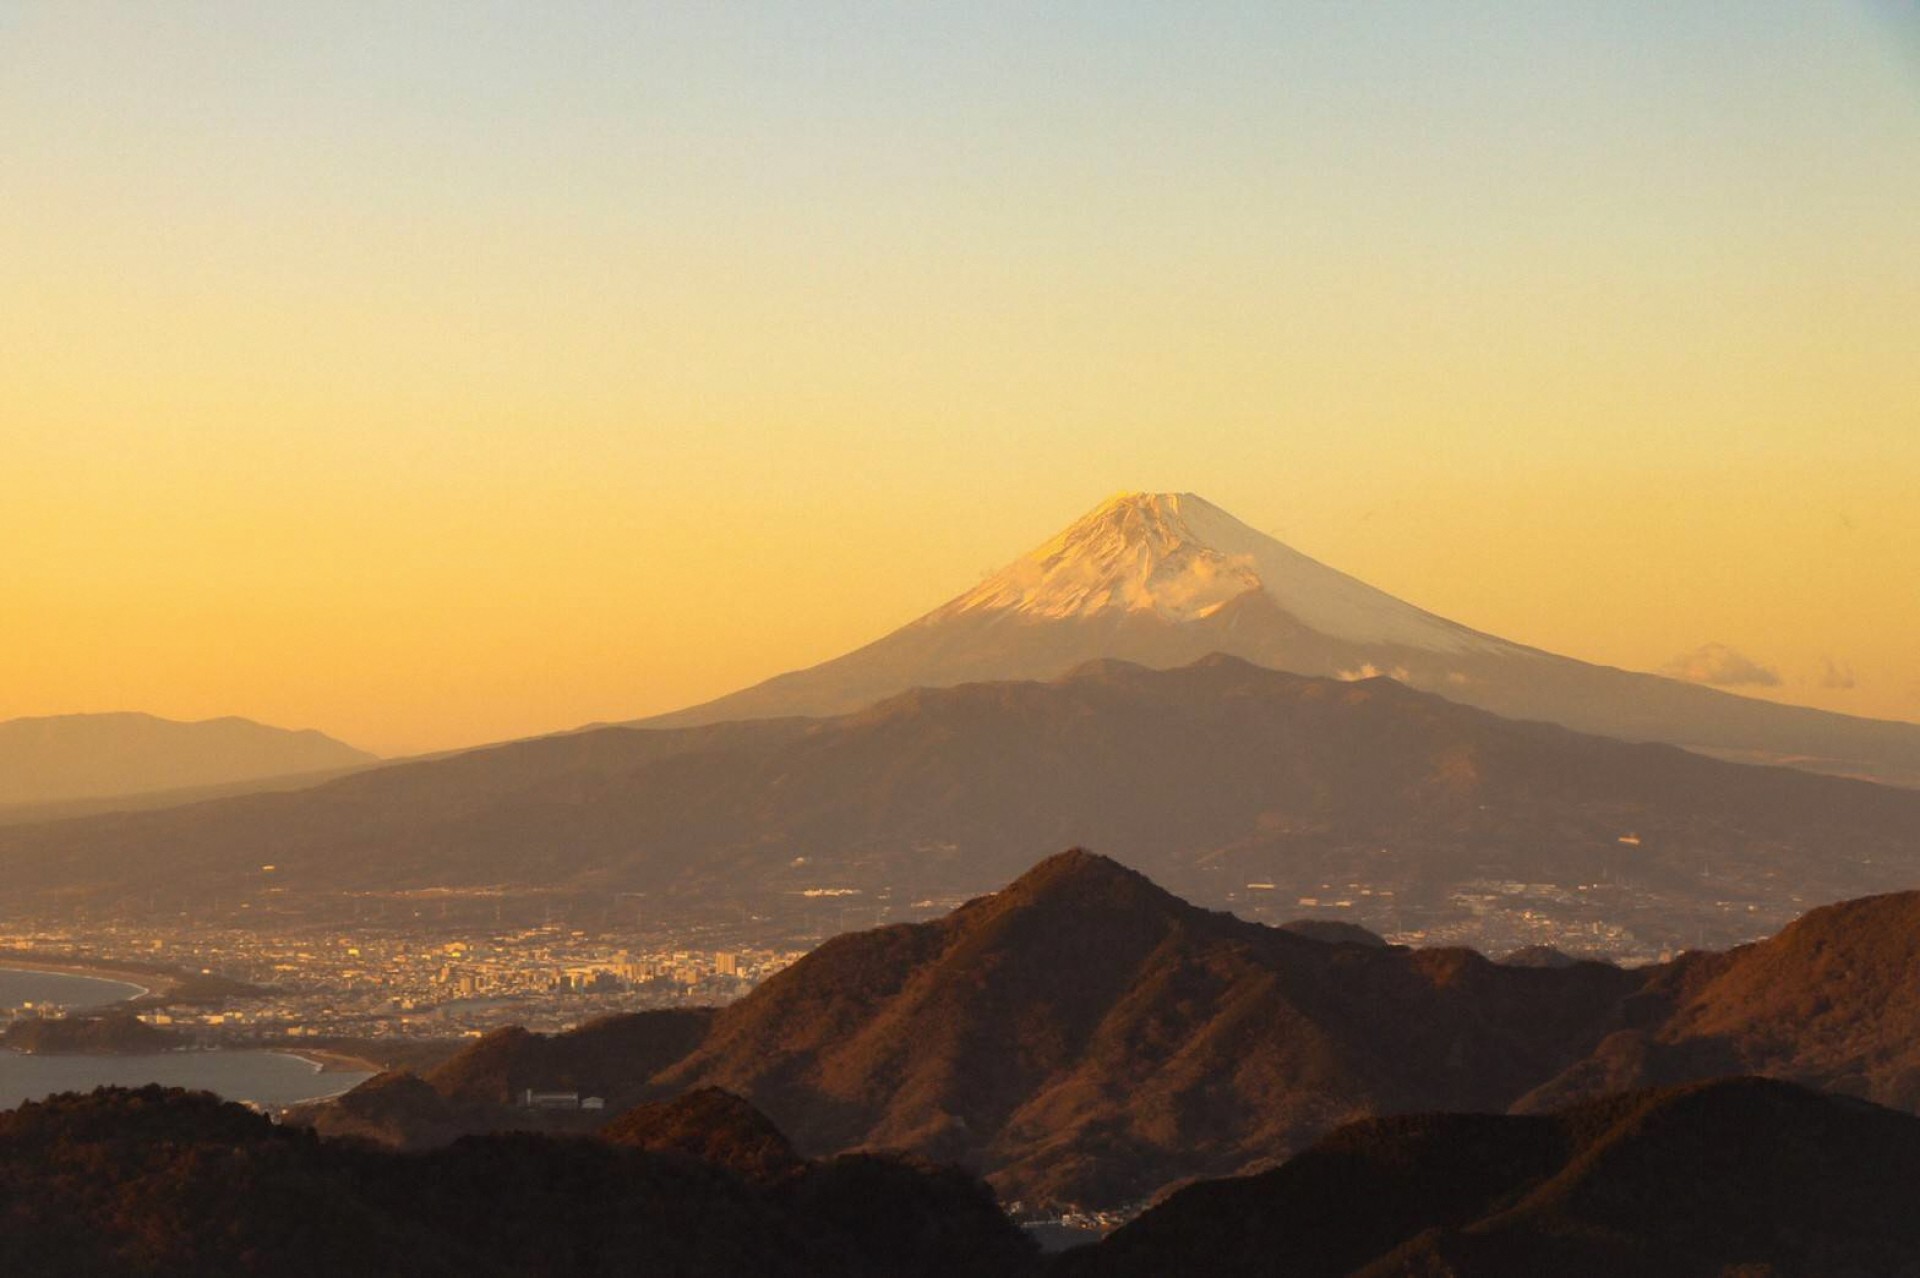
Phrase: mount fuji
(1162, 579)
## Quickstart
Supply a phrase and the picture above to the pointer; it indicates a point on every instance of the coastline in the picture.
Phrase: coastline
(146, 983)
(325, 1061)
(265, 1077)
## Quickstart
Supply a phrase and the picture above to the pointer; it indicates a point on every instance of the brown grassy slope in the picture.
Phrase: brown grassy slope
(1083, 1035)
(1833, 1001)
(612, 1058)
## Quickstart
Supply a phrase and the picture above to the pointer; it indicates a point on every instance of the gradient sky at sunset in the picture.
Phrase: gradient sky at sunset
(437, 373)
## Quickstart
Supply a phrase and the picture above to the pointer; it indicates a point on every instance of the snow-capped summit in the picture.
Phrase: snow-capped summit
(1182, 558)
(1164, 579)
(1138, 552)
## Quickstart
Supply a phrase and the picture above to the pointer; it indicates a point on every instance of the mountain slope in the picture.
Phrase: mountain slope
(155, 1182)
(1084, 1036)
(1162, 579)
(1831, 1002)
(83, 756)
(1738, 1176)
(1211, 777)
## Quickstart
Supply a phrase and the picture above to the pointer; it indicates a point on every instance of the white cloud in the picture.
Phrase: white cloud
(1722, 667)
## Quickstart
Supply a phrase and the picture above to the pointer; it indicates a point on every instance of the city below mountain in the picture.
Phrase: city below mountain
(1083, 1038)
(1272, 794)
(74, 757)
(1163, 579)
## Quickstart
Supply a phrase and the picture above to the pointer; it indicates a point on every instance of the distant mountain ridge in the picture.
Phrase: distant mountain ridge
(65, 758)
(1163, 579)
(1211, 777)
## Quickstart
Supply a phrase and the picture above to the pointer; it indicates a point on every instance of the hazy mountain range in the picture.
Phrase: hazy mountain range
(71, 757)
(1084, 1036)
(1234, 784)
(1165, 578)
(1158, 579)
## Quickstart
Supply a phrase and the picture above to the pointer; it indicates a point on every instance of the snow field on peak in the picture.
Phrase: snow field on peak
(1182, 558)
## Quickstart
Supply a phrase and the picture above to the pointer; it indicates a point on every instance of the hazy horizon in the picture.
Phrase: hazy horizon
(437, 376)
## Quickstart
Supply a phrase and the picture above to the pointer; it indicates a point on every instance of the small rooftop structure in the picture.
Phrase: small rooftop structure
(531, 1099)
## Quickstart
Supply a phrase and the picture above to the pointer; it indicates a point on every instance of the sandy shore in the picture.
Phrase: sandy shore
(146, 982)
(328, 1062)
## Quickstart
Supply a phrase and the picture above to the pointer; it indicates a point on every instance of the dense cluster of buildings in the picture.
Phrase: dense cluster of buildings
(337, 984)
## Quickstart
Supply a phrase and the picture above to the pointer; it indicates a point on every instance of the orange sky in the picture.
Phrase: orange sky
(431, 382)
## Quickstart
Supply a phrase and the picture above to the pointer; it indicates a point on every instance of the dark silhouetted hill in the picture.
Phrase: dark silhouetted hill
(480, 1088)
(612, 1058)
(111, 1035)
(1334, 932)
(1539, 956)
(153, 1182)
(1734, 1177)
(714, 1126)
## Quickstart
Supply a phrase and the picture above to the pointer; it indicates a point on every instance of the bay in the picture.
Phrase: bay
(268, 1079)
(72, 992)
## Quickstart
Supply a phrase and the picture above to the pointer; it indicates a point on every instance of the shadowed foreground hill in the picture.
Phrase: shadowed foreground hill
(1081, 1036)
(715, 1127)
(1209, 777)
(1085, 1036)
(156, 1182)
(608, 1057)
(1741, 1178)
(1833, 1002)
(476, 1090)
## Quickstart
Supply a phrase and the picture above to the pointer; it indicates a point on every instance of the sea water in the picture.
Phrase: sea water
(269, 1079)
